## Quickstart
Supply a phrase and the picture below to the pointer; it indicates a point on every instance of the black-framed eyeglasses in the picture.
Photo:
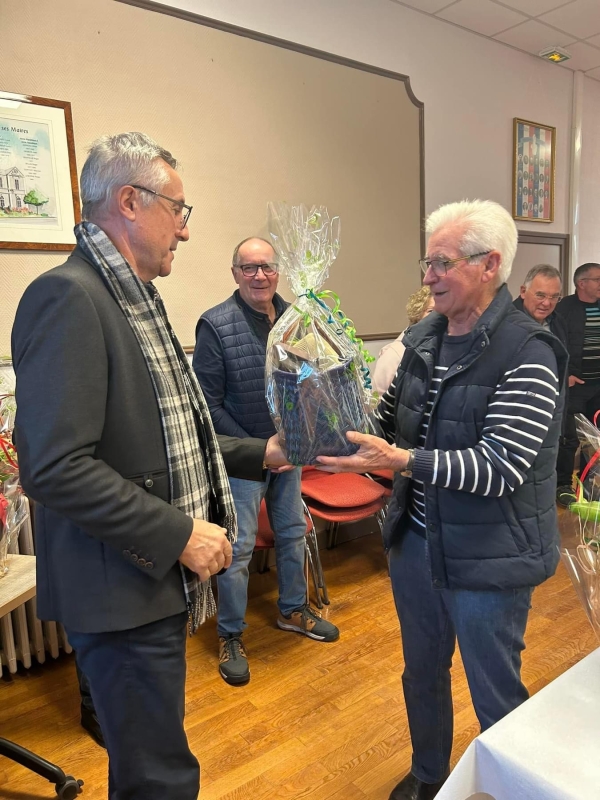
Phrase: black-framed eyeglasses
(269, 269)
(440, 266)
(184, 210)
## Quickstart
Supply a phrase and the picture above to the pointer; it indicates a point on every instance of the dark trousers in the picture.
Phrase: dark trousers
(583, 398)
(84, 689)
(489, 627)
(137, 683)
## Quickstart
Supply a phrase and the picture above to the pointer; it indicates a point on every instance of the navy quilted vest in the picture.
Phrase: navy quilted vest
(244, 356)
(477, 542)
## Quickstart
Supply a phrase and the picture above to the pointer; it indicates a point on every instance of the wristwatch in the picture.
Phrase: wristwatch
(407, 471)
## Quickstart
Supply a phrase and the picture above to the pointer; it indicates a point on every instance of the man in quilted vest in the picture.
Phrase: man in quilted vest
(471, 423)
(229, 360)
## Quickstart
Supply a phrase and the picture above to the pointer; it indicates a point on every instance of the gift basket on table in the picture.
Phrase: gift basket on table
(318, 384)
(13, 505)
(580, 526)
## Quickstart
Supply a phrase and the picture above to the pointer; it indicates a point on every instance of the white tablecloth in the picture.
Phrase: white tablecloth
(547, 749)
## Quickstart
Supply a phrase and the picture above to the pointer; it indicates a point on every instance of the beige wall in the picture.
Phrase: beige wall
(472, 87)
(250, 123)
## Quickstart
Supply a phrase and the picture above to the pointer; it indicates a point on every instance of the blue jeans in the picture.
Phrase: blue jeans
(137, 682)
(489, 627)
(284, 505)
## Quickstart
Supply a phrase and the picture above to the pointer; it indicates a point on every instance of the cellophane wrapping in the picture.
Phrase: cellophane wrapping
(317, 381)
(13, 505)
(580, 526)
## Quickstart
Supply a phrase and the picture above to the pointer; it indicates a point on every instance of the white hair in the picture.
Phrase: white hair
(487, 226)
(115, 161)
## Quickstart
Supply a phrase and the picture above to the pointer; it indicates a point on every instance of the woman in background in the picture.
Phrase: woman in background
(419, 305)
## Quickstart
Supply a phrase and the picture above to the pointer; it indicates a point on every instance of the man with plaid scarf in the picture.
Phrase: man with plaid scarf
(116, 446)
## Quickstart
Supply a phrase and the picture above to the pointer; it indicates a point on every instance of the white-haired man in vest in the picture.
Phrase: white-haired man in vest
(471, 422)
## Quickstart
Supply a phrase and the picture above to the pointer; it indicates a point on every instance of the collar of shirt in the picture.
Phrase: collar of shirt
(278, 302)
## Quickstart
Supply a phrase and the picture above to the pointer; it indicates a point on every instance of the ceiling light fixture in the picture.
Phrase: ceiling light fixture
(555, 54)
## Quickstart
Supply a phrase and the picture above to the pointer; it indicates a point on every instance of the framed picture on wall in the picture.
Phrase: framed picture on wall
(39, 194)
(533, 171)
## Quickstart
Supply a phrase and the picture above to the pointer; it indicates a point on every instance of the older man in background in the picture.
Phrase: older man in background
(116, 446)
(580, 316)
(471, 421)
(539, 296)
(229, 361)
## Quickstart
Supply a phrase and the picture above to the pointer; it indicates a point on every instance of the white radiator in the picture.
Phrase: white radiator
(22, 636)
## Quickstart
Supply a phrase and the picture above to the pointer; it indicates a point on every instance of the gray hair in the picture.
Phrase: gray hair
(488, 226)
(583, 271)
(115, 161)
(236, 252)
(541, 269)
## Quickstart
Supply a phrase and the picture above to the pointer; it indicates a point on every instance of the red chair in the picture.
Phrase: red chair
(265, 540)
(384, 477)
(342, 497)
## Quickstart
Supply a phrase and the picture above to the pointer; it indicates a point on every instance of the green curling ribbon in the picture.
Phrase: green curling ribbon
(341, 323)
(588, 511)
(305, 315)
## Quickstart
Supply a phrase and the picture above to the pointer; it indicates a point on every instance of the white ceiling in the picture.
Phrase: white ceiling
(528, 25)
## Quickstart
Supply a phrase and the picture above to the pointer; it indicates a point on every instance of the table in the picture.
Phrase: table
(19, 584)
(16, 587)
(546, 749)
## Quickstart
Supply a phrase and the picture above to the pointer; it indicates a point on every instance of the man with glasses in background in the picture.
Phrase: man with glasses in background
(539, 296)
(580, 315)
(471, 423)
(133, 508)
(229, 361)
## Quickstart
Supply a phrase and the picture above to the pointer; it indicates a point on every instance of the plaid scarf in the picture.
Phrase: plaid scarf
(197, 477)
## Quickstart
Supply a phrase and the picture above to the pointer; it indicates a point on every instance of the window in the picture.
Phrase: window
(18, 202)
(1, 201)
(17, 183)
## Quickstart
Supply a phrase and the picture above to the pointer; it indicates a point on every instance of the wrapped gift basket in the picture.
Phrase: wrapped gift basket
(318, 384)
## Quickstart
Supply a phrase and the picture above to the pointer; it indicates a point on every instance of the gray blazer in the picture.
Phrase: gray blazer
(92, 456)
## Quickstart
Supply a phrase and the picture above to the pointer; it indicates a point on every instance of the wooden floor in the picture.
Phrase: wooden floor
(316, 721)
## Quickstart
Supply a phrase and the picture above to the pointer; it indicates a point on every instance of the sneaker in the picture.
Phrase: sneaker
(306, 621)
(565, 496)
(233, 662)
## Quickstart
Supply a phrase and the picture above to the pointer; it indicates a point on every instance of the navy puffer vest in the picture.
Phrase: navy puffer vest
(244, 355)
(477, 542)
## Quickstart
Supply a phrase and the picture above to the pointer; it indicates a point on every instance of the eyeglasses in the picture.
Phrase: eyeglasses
(249, 270)
(553, 298)
(183, 209)
(440, 266)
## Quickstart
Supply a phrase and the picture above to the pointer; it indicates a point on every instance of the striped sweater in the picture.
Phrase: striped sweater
(516, 422)
(590, 369)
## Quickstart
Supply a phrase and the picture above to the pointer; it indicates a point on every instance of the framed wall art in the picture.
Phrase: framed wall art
(533, 171)
(39, 194)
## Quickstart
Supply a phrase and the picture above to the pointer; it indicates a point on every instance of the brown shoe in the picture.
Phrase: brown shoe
(233, 661)
(306, 621)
